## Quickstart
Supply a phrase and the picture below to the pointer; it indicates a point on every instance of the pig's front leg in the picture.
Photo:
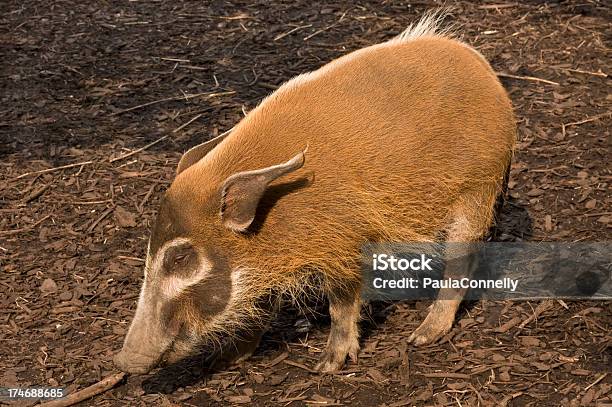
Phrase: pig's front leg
(239, 350)
(343, 338)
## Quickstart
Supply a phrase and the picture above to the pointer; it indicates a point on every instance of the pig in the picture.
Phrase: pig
(408, 140)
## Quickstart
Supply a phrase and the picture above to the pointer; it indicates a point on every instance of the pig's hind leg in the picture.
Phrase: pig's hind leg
(343, 338)
(468, 225)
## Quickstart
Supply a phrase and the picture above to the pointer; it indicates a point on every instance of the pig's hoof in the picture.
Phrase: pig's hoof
(131, 363)
(329, 362)
(333, 360)
(222, 361)
(429, 331)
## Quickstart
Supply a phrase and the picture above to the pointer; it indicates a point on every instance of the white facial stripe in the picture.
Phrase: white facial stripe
(173, 286)
(147, 259)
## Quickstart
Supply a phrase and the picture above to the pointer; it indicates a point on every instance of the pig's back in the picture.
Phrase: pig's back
(424, 102)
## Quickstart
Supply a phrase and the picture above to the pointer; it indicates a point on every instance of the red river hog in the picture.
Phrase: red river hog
(403, 141)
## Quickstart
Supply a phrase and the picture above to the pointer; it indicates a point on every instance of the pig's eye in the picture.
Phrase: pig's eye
(180, 259)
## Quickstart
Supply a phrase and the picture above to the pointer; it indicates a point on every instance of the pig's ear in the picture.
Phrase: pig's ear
(242, 191)
(195, 154)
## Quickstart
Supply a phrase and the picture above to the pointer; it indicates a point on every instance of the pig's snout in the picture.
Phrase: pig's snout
(134, 362)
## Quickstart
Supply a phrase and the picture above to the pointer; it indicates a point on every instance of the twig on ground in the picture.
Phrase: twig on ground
(327, 28)
(267, 85)
(526, 78)
(140, 206)
(600, 378)
(62, 167)
(602, 74)
(588, 215)
(88, 392)
(20, 230)
(182, 97)
(508, 325)
(543, 306)
(320, 31)
(587, 120)
(496, 6)
(447, 375)
(100, 218)
(90, 202)
(151, 144)
(182, 126)
(283, 35)
(131, 258)
(301, 366)
(561, 167)
(36, 193)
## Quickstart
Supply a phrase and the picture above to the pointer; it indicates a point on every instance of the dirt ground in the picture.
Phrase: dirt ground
(116, 91)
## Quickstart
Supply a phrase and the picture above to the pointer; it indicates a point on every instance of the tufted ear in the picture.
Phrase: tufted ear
(195, 154)
(242, 191)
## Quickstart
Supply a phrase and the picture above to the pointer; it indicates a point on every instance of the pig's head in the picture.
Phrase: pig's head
(189, 288)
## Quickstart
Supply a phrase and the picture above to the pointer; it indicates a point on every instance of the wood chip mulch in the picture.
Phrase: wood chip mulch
(99, 100)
